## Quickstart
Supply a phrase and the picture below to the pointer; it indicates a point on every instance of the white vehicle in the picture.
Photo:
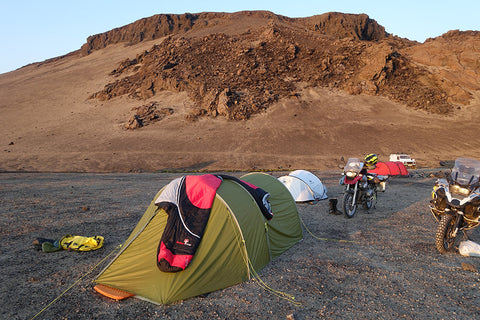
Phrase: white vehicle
(403, 158)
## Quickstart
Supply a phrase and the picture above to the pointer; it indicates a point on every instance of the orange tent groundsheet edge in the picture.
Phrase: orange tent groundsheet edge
(112, 293)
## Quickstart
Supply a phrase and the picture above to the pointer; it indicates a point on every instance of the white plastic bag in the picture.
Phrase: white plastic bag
(469, 248)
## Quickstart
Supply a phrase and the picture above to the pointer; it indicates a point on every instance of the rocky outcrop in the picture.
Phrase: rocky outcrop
(147, 114)
(334, 24)
(242, 72)
(142, 30)
(452, 62)
(341, 25)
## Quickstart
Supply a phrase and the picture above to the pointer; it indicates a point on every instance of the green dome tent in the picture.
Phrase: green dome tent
(237, 237)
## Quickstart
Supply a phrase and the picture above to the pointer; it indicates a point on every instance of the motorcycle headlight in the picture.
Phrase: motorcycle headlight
(456, 189)
(351, 174)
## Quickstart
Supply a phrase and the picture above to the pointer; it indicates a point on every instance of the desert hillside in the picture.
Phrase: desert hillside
(242, 91)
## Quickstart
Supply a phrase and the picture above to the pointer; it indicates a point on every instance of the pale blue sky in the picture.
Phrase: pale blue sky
(35, 30)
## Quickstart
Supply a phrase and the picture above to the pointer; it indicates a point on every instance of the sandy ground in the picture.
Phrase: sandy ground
(388, 269)
(48, 124)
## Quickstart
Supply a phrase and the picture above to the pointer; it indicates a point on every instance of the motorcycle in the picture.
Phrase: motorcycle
(455, 203)
(360, 187)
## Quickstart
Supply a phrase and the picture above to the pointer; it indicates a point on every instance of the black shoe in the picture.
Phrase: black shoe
(333, 207)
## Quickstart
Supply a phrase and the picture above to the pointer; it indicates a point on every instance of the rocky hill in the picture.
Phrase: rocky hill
(237, 72)
(242, 91)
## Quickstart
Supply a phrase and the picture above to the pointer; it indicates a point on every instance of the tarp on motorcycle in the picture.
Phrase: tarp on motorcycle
(390, 168)
(304, 186)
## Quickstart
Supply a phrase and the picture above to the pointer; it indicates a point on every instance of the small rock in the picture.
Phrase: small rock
(469, 267)
(291, 317)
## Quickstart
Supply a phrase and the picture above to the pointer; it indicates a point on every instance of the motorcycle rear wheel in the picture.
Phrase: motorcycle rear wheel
(368, 203)
(444, 238)
(349, 207)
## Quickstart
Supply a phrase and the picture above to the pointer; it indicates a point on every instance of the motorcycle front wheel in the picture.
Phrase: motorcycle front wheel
(445, 234)
(349, 206)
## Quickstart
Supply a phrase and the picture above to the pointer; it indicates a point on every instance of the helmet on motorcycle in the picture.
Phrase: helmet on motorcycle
(371, 159)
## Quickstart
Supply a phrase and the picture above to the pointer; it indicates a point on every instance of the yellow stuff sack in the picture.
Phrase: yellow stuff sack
(80, 243)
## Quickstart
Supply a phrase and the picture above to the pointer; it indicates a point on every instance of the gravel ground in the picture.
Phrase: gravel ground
(387, 269)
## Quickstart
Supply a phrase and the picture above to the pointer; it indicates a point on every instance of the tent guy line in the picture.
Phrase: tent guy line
(77, 281)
